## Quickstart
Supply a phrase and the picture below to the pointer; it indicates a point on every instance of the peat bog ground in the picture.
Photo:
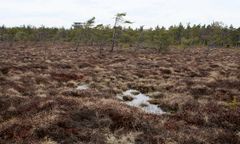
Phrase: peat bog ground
(54, 94)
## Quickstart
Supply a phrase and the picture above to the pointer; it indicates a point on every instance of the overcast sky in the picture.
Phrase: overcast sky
(58, 13)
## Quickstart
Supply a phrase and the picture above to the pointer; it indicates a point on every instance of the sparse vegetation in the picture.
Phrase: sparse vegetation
(62, 85)
(39, 102)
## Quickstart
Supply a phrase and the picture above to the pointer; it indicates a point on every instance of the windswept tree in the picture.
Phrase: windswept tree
(84, 34)
(88, 31)
(119, 19)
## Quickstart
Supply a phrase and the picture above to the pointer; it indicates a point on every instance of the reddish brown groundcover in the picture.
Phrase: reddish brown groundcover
(198, 88)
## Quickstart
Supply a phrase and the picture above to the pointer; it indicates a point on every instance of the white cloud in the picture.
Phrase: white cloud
(142, 12)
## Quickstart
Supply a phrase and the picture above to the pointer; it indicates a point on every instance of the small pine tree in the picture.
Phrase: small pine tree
(119, 19)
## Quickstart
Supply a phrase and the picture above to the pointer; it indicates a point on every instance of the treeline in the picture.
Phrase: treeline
(213, 35)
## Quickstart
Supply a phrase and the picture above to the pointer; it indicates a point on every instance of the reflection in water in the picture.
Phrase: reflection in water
(140, 100)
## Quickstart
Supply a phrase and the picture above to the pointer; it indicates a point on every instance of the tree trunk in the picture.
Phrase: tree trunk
(114, 34)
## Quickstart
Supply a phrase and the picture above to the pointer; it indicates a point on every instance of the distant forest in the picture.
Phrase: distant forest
(213, 35)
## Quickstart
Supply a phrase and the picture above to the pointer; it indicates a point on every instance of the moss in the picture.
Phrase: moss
(135, 93)
(154, 101)
(156, 95)
(127, 98)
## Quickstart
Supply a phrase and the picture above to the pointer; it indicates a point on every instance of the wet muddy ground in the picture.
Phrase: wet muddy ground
(52, 93)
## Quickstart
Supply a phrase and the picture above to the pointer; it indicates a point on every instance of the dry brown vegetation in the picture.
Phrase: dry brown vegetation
(199, 89)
